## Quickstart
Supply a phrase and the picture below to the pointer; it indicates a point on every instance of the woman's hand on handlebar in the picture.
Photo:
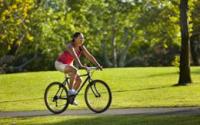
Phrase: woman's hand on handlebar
(99, 67)
(88, 68)
(83, 67)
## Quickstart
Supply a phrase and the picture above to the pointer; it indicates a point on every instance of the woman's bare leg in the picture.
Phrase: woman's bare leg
(77, 82)
(71, 71)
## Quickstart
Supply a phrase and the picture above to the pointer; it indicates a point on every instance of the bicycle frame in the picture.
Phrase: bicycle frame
(88, 79)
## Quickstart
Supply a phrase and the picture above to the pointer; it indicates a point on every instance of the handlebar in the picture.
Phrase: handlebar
(88, 69)
(91, 68)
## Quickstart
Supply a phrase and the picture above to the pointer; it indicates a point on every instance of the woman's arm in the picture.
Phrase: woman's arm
(90, 57)
(73, 52)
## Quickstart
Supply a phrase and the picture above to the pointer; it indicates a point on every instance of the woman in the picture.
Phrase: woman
(64, 62)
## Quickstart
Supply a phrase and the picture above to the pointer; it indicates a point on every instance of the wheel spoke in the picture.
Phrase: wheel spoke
(98, 96)
(56, 97)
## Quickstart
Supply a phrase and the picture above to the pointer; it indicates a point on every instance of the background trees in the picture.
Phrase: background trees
(195, 32)
(119, 33)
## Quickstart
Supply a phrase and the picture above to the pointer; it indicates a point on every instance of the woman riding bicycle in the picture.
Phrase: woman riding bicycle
(64, 62)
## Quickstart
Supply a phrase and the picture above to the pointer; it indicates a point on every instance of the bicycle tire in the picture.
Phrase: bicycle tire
(96, 92)
(60, 87)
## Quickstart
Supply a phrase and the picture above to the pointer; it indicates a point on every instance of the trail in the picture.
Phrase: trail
(128, 111)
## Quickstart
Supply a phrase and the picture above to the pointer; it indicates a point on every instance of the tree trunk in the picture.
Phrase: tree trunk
(124, 53)
(184, 75)
(105, 54)
(114, 49)
(194, 49)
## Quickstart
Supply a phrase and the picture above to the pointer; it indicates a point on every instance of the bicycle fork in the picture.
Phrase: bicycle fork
(94, 90)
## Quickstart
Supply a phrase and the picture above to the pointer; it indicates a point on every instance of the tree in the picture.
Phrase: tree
(195, 35)
(184, 74)
(119, 33)
(14, 18)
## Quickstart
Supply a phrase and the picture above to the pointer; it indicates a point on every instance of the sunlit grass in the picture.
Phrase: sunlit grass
(131, 87)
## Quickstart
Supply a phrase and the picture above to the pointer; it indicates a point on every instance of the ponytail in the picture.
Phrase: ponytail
(76, 34)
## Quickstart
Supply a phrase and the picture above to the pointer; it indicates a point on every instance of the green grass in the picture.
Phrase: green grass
(131, 87)
(105, 120)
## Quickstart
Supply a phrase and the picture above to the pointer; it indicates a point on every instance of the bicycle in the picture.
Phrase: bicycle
(97, 94)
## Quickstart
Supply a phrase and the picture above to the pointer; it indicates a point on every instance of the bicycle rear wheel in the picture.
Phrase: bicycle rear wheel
(55, 97)
(98, 96)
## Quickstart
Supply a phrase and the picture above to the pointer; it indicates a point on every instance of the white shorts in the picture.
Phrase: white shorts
(60, 66)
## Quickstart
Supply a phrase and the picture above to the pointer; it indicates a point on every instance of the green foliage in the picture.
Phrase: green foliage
(14, 18)
(176, 61)
(195, 33)
(118, 33)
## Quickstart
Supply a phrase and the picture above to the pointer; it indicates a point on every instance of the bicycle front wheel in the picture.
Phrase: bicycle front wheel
(55, 97)
(98, 96)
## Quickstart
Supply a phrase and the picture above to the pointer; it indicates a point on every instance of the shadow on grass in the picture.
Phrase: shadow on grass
(114, 91)
(163, 74)
(130, 120)
(129, 90)
(153, 88)
(170, 73)
(21, 100)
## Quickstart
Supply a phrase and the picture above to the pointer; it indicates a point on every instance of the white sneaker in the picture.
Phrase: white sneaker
(72, 92)
(74, 103)
(72, 100)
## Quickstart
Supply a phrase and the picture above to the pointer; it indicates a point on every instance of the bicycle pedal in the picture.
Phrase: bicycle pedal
(71, 99)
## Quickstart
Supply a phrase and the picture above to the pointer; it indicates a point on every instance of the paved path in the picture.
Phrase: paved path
(130, 111)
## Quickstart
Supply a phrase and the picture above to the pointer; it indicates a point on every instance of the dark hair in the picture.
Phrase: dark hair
(76, 34)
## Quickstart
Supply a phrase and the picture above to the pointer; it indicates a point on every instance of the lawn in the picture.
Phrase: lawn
(131, 87)
(105, 120)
